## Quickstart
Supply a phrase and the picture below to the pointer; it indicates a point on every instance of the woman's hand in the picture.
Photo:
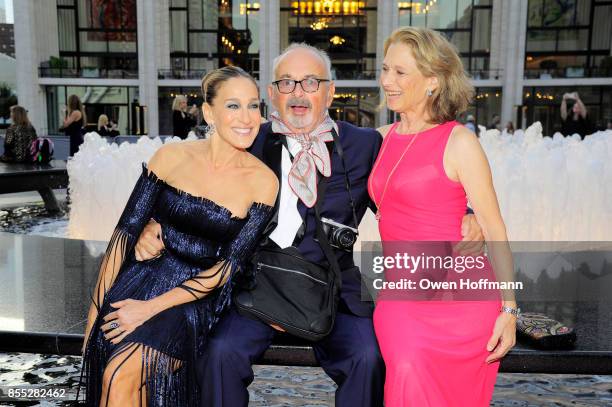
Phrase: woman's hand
(503, 338)
(278, 328)
(130, 314)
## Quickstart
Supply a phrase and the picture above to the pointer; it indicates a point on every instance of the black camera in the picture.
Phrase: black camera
(340, 236)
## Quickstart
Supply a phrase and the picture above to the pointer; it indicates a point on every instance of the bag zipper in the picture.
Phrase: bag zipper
(260, 265)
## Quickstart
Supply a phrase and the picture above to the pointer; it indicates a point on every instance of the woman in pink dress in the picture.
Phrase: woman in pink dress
(437, 353)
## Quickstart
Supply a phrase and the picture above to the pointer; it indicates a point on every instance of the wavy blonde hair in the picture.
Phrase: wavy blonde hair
(436, 56)
(177, 101)
(19, 116)
(102, 121)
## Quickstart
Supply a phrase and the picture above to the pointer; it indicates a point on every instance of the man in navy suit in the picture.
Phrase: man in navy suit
(301, 93)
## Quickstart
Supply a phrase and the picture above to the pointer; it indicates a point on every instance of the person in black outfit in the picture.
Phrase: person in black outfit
(107, 128)
(182, 121)
(574, 118)
(19, 137)
(73, 121)
(495, 123)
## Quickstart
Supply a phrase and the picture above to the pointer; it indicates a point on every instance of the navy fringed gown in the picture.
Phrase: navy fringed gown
(197, 233)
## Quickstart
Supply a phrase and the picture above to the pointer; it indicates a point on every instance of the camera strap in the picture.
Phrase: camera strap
(322, 236)
(347, 181)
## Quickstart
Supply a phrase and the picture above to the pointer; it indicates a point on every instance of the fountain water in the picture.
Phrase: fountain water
(549, 189)
(102, 176)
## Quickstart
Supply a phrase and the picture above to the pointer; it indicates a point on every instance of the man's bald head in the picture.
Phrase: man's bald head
(322, 55)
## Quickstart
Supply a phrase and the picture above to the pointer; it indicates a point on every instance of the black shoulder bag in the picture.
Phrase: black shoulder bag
(294, 293)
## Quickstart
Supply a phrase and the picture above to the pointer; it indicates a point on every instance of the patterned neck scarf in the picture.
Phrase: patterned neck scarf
(312, 157)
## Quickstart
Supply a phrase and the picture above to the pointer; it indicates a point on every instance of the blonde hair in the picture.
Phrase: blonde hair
(213, 80)
(436, 57)
(74, 103)
(102, 121)
(19, 116)
(177, 101)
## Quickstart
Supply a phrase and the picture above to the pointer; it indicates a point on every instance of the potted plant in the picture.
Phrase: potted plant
(57, 64)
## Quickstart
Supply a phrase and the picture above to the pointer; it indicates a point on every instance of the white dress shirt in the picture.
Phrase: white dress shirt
(289, 218)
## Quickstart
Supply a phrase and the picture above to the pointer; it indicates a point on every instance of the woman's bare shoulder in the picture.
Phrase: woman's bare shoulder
(263, 181)
(463, 137)
(167, 158)
(463, 143)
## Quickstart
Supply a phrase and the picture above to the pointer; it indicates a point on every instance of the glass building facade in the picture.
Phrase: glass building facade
(356, 105)
(543, 104)
(97, 38)
(208, 34)
(346, 30)
(563, 46)
(466, 23)
(568, 39)
(118, 103)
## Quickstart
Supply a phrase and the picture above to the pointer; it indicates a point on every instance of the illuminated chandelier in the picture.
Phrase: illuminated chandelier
(337, 40)
(320, 24)
(417, 7)
(327, 7)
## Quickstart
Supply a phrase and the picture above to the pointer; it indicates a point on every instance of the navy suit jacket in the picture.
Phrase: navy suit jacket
(360, 147)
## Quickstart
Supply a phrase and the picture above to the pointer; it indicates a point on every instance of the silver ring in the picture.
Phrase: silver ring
(114, 325)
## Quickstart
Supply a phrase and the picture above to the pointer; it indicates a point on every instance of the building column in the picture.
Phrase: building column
(496, 56)
(36, 39)
(513, 37)
(147, 14)
(162, 28)
(269, 45)
(387, 22)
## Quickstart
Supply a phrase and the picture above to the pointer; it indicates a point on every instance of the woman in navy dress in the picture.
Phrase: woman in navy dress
(149, 320)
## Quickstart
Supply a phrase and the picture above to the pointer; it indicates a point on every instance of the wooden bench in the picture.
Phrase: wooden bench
(44, 178)
(44, 297)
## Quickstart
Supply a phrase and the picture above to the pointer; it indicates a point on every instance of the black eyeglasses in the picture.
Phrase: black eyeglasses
(309, 85)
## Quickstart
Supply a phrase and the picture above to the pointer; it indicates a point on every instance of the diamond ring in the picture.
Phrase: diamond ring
(114, 325)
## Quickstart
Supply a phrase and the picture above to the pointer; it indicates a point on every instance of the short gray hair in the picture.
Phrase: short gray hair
(302, 45)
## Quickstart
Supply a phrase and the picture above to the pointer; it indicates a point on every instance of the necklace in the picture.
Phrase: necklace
(379, 204)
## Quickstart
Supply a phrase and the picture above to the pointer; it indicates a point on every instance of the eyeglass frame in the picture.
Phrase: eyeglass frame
(295, 83)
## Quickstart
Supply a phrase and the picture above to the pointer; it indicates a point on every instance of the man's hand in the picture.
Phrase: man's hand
(473, 239)
(150, 244)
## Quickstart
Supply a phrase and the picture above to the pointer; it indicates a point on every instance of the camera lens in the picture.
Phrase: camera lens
(344, 237)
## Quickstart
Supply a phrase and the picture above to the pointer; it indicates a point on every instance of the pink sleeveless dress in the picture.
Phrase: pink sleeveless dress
(434, 351)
